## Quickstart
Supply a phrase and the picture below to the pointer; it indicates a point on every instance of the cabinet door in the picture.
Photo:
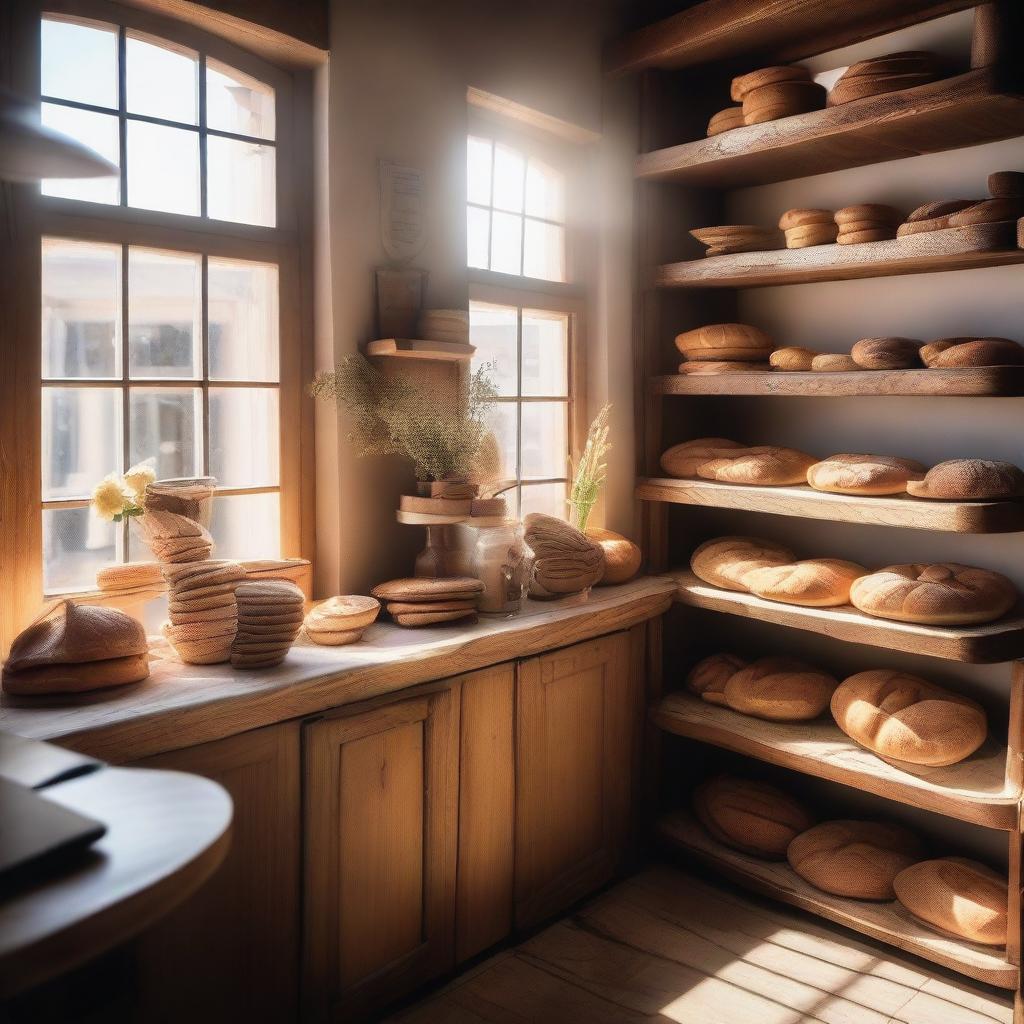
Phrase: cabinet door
(578, 712)
(231, 951)
(380, 849)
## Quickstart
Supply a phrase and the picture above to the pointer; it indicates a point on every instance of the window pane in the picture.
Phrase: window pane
(164, 314)
(81, 286)
(545, 191)
(506, 243)
(492, 329)
(545, 353)
(509, 168)
(243, 320)
(98, 132)
(478, 223)
(247, 526)
(79, 62)
(544, 448)
(81, 439)
(162, 80)
(544, 251)
(502, 420)
(163, 168)
(166, 424)
(75, 544)
(244, 436)
(237, 103)
(478, 171)
(241, 181)
(546, 498)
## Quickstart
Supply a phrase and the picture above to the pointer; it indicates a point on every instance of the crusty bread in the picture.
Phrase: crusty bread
(683, 460)
(779, 689)
(801, 217)
(812, 583)
(726, 561)
(967, 351)
(622, 557)
(932, 216)
(943, 594)
(856, 859)
(782, 99)
(988, 211)
(751, 816)
(834, 362)
(743, 84)
(76, 678)
(887, 353)
(725, 342)
(864, 474)
(907, 719)
(1006, 184)
(970, 480)
(709, 369)
(957, 896)
(708, 677)
(725, 121)
(792, 359)
(767, 466)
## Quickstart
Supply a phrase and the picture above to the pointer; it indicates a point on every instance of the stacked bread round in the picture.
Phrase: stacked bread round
(341, 620)
(77, 647)
(856, 859)
(565, 560)
(969, 480)
(907, 719)
(805, 227)
(775, 92)
(792, 359)
(728, 561)
(732, 238)
(887, 353)
(956, 896)
(707, 679)
(778, 689)
(738, 343)
(864, 474)
(754, 817)
(889, 73)
(725, 121)
(428, 601)
(944, 594)
(867, 222)
(622, 557)
(967, 351)
(269, 620)
(174, 538)
(811, 583)
(201, 609)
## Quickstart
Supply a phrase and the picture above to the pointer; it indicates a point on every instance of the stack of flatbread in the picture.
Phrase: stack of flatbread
(175, 538)
(421, 601)
(201, 609)
(269, 619)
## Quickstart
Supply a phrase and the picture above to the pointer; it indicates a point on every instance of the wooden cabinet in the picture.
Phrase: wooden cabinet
(381, 813)
(578, 713)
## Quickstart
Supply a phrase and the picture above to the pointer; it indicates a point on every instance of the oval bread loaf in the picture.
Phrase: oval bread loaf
(864, 474)
(622, 557)
(959, 352)
(970, 480)
(904, 718)
(887, 353)
(743, 84)
(792, 359)
(767, 466)
(834, 362)
(708, 677)
(727, 561)
(725, 342)
(812, 583)
(725, 121)
(683, 460)
(779, 689)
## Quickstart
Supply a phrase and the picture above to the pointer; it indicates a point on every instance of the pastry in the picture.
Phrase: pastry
(966, 351)
(725, 121)
(792, 358)
(565, 560)
(767, 466)
(887, 353)
(812, 583)
(864, 474)
(709, 676)
(725, 343)
(943, 594)
(782, 99)
(622, 557)
(779, 689)
(834, 362)
(727, 561)
(856, 859)
(907, 719)
(957, 896)
(970, 480)
(683, 460)
(1006, 184)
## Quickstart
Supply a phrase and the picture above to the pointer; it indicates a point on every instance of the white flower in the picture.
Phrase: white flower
(110, 496)
(138, 478)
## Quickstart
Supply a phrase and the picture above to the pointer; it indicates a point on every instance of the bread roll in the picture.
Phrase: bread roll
(887, 353)
(779, 689)
(864, 474)
(708, 677)
(743, 84)
(792, 359)
(834, 362)
(621, 556)
(753, 817)
(969, 480)
(904, 718)
(726, 561)
(683, 460)
(960, 352)
(812, 583)
(768, 466)
(943, 594)
(725, 121)
(725, 342)
(856, 859)
(957, 896)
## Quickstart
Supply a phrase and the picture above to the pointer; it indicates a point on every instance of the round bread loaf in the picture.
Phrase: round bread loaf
(834, 362)
(782, 99)
(725, 121)
(767, 466)
(887, 353)
(856, 859)
(969, 480)
(868, 214)
(904, 718)
(711, 368)
(90, 675)
(812, 234)
(801, 217)
(1006, 184)
(943, 594)
(743, 84)
(726, 561)
(683, 460)
(708, 677)
(812, 583)
(957, 896)
(621, 556)
(894, 63)
(959, 352)
(864, 474)
(779, 689)
(725, 342)
(792, 359)
(848, 89)
(751, 816)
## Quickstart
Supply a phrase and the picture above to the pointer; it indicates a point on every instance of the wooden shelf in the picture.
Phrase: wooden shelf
(408, 348)
(965, 110)
(980, 245)
(890, 510)
(995, 642)
(888, 922)
(974, 790)
(983, 381)
(765, 33)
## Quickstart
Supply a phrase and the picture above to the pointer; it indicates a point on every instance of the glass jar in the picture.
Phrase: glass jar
(495, 555)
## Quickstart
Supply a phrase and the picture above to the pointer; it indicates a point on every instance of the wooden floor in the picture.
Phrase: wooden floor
(667, 946)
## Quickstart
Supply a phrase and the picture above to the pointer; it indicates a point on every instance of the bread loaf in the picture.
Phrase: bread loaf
(907, 719)
(957, 896)
(751, 816)
(767, 466)
(887, 353)
(779, 689)
(683, 460)
(988, 211)
(943, 594)
(744, 84)
(802, 217)
(856, 859)
(725, 121)
(868, 213)
(966, 351)
(834, 362)
(782, 99)
(732, 238)
(725, 342)
(812, 583)
(726, 561)
(932, 216)
(708, 677)
(864, 474)
(621, 556)
(846, 90)
(792, 359)
(812, 234)
(709, 369)
(970, 480)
